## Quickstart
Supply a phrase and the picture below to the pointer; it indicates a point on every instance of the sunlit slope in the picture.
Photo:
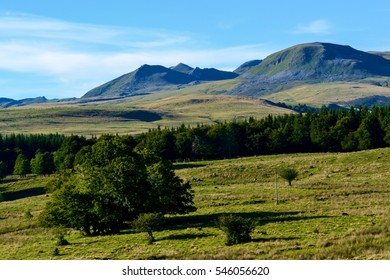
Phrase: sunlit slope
(189, 106)
(341, 93)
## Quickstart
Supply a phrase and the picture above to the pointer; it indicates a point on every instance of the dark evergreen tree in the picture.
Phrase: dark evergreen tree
(3, 170)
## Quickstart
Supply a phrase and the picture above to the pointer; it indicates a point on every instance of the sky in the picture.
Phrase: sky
(61, 49)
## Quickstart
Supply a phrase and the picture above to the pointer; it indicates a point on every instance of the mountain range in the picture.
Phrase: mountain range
(301, 64)
(301, 68)
(150, 78)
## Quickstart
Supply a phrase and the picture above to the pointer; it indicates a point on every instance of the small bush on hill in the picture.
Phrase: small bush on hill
(148, 222)
(236, 228)
(289, 174)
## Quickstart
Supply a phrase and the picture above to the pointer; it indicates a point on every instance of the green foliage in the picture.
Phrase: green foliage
(42, 164)
(22, 166)
(65, 156)
(148, 222)
(61, 241)
(113, 185)
(237, 229)
(3, 170)
(168, 193)
(289, 174)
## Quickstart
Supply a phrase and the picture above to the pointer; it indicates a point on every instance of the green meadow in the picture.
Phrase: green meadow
(337, 208)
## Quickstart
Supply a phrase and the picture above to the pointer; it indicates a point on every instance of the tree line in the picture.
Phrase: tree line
(325, 130)
(25, 147)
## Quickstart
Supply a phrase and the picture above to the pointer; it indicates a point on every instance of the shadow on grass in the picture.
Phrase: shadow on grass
(185, 236)
(11, 196)
(272, 239)
(188, 165)
(209, 220)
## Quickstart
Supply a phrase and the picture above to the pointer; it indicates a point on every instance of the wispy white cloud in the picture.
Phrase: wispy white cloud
(80, 56)
(320, 26)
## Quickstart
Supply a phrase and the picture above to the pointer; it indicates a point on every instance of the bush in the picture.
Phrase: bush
(148, 222)
(61, 241)
(236, 228)
(289, 174)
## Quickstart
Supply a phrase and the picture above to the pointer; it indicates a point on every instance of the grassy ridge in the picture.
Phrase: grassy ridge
(141, 114)
(337, 209)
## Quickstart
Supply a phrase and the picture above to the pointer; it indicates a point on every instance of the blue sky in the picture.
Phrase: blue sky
(62, 49)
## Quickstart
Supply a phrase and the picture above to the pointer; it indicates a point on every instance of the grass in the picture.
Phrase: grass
(338, 208)
(328, 93)
(166, 109)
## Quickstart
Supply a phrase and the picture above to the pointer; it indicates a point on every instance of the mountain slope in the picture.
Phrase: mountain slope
(311, 63)
(184, 68)
(143, 79)
(246, 66)
(151, 78)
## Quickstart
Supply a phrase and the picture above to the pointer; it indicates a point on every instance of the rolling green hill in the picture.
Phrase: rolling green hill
(134, 115)
(310, 64)
(340, 93)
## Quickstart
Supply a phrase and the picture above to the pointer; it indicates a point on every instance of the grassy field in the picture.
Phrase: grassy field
(135, 116)
(327, 93)
(338, 208)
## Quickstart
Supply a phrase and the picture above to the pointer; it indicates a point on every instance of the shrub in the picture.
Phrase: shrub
(289, 174)
(60, 234)
(236, 228)
(148, 222)
(61, 241)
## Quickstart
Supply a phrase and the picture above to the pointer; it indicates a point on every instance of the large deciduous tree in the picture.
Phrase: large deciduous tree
(113, 184)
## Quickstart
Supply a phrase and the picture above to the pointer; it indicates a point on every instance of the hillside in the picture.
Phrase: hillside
(336, 209)
(308, 64)
(301, 65)
(153, 78)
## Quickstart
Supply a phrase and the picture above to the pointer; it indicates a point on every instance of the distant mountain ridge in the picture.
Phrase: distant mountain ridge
(8, 102)
(155, 77)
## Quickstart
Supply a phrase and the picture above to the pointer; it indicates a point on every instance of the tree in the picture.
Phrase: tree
(113, 184)
(22, 166)
(65, 156)
(42, 164)
(370, 134)
(3, 170)
(289, 174)
(148, 222)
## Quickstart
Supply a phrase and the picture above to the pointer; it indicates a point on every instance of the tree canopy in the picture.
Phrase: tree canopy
(114, 184)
